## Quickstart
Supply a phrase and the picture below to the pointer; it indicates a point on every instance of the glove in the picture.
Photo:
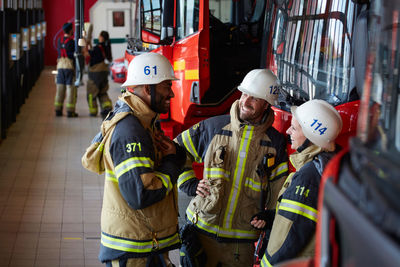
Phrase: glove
(267, 216)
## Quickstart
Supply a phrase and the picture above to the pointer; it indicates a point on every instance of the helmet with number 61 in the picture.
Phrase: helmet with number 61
(149, 68)
(320, 122)
(261, 83)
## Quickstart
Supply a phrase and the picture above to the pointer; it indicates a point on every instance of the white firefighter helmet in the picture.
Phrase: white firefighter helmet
(320, 122)
(261, 83)
(149, 68)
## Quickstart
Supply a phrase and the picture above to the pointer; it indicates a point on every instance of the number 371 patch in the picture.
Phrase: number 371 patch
(132, 147)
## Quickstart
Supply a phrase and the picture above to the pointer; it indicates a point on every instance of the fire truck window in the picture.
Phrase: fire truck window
(187, 17)
(151, 14)
(380, 123)
(312, 48)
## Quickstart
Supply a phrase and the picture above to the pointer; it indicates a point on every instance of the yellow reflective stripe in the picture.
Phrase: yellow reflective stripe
(70, 105)
(216, 173)
(221, 231)
(106, 104)
(265, 262)
(58, 104)
(281, 168)
(250, 183)
(238, 177)
(137, 246)
(299, 208)
(90, 99)
(185, 176)
(100, 147)
(165, 179)
(131, 163)
(110, 176)
(179, 65)
(192, 74)
(187, 141)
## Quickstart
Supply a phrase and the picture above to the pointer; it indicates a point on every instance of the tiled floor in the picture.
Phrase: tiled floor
(49, 204)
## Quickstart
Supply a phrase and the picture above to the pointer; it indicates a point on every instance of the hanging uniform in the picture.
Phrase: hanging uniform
(65, 76)
(240, 162)
(293, 229)
(97, 85)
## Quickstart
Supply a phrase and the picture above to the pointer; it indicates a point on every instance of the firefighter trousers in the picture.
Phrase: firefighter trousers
(138, 262)
(95, 93)
(70, 90)
(233, 254)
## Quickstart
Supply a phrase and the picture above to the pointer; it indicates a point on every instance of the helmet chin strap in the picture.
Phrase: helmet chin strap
(153, 97)
(304, 145)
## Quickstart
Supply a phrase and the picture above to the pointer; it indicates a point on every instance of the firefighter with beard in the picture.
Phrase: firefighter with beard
(244, 159)
(139, 220)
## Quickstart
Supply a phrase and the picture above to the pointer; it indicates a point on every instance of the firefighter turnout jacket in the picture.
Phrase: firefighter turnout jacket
(65, 60)
(139, 213)
(242, 163)
(98, 69)
(97, 84)
(293, 230)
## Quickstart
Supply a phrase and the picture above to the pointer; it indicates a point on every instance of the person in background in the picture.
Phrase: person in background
(66, 73)
(97, 84)
(244, 159)
(314, 128)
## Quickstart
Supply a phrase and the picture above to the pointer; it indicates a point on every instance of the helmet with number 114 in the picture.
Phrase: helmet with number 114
(320, 122)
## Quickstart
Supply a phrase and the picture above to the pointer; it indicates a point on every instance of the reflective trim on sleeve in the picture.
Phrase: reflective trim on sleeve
(165, 179)
(220, 231)
(216, 173)
(250, 183)
(131, 163)
(238, 176)
(299, 208)
(137, 246)
(110, 176)
(185, 176)
(281, 168)
(265, 262)
(187, 141)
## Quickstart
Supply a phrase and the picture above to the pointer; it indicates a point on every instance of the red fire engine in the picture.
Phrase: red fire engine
(318, 49)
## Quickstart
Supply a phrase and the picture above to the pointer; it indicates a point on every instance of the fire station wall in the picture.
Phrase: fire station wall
(57, 13)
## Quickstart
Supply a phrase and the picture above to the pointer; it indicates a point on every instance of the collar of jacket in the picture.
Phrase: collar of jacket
(237, 123)
(298, 159)
(141, 110)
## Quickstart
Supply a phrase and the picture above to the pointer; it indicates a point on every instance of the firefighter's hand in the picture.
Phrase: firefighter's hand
(256, 223)
(165, 145)
(203, 188)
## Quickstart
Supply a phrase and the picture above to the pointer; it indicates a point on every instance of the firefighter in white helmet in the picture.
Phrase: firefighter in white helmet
(139, 218)
(314, 128)
(243, 155)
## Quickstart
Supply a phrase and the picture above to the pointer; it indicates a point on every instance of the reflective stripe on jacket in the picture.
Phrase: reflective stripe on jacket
(293, 230)
(233, 153)
(139, 214)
